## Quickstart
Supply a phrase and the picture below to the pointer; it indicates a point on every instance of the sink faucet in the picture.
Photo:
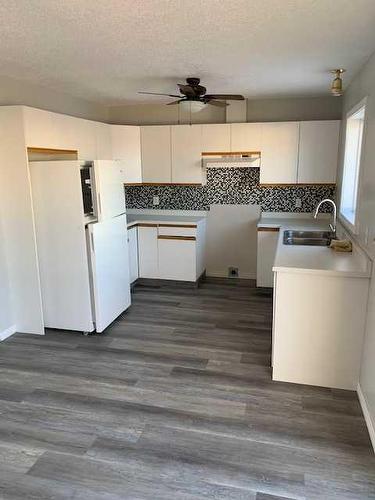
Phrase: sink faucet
(334, 219)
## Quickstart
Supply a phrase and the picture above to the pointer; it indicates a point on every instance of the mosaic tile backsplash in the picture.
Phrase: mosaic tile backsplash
(230, 186)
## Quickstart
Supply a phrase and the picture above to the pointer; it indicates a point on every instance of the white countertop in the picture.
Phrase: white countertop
(160, 219)
(311, 259)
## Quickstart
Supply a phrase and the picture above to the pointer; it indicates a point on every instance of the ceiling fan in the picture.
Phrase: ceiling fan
(193, 92)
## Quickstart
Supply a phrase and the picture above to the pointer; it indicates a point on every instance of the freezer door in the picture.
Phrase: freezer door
(109, 180)
(108, 247)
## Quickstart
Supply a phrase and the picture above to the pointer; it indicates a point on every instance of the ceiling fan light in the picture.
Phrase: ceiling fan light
(336, 85)
(192, 106)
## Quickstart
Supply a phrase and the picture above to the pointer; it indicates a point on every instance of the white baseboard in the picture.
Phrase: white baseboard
(219, 274)
(8, 332)
(366, 413)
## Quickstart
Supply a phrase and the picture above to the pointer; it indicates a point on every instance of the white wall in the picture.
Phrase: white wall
(232, 240)
(364, 85)
(294, 109)
(258, 110)
(161, 114)
(14, 92)
(6, 313)
(17, 223)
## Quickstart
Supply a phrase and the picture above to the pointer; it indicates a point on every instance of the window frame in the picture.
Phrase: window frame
(354, 226)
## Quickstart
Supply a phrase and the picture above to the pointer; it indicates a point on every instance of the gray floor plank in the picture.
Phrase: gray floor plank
(174, 401)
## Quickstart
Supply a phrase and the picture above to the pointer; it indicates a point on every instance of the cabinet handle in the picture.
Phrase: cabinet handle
(186, 238)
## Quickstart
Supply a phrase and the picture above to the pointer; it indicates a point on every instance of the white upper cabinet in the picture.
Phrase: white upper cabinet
(156, 154)
(318, 151)
(186, 141)
(103, 141)
(279, 153)
(246, 137)
(44, 129)
(85, 131)
(126, 146)
(216, 137)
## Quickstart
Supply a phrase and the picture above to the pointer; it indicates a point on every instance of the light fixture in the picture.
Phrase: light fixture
(192, 106)
(187, 109)
(336, 85)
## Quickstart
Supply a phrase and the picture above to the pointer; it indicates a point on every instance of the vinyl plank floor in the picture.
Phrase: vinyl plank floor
(174, 401)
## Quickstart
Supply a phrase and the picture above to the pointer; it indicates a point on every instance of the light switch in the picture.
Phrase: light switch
(155, 200)
(298, 203)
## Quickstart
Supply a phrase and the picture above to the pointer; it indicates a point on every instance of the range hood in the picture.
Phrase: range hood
(237, 159)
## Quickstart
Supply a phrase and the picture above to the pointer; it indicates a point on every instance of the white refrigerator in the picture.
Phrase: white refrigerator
(82, 247)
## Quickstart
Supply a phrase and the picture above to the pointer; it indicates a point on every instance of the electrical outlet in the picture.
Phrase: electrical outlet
(155, 200)
(298, 203)
(232, 272)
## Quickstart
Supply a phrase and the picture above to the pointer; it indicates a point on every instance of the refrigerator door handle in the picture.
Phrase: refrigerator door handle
(100, 205)
(92, 243)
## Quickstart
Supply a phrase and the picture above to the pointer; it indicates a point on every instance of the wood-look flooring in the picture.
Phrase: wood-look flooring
(175, 401)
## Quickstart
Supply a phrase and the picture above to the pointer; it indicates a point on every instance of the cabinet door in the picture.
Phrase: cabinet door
(103, 141)
(246, 136)
(77, 134)
(148, 251)
(216, 138)
(177, 258)
(267, 244)
(40, 129)
(156, 153)
(186, 154)
(85, 131)
(318, 151)
(279, 153)
(126, 146)
(133, 254)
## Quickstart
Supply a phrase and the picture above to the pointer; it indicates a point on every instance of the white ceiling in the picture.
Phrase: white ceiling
(107, 50)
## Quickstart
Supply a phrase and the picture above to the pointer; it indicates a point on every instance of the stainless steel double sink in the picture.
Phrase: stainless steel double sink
(311, 238)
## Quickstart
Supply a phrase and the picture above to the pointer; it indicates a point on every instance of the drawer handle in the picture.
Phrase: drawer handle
(186, 238)
(192, 226)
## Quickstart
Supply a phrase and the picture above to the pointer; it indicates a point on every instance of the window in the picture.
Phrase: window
(352, 163)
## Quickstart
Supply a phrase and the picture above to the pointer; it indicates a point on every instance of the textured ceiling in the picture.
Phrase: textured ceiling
(106, 50)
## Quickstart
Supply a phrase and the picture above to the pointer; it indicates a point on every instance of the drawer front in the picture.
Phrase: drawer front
(170, 230)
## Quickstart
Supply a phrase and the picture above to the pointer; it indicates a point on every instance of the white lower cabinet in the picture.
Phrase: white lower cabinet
(318, 328)
(177, 258)
(171, 251)
(148, 251)
(133, 253)
(267, 245)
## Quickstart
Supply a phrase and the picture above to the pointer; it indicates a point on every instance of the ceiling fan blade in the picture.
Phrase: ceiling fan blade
(175, 102)
(219, 104)
(156, 93)
(227, 97)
